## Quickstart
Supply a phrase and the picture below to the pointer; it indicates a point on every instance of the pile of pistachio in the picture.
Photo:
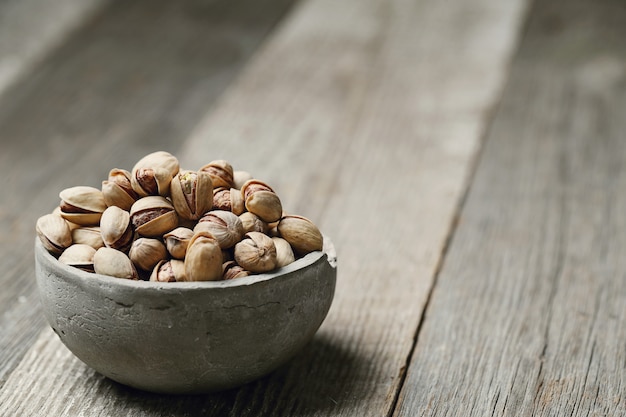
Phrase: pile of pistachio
(162, 223)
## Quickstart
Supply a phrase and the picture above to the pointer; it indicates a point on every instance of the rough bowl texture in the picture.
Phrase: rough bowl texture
(187, 337)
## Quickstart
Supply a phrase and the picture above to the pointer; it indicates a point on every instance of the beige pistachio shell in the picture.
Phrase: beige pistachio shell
(260, 199)
(301, 233)
(79, 256)
(82, 205)
(153, 174)
(256, 252)
(252, 223)
(177, 241)
(221, 173)
(57, 211)
(240, 178)
(192, 194)
(284, 253)
(111, 262)
(153, 216)
(225, 226)
(172, 270)
(116, 229)
(237, 204)
(118, 190)
(54, 233)
(230, 270)
(265, 204)
(90, 235)
(146, 252)
(204, 258)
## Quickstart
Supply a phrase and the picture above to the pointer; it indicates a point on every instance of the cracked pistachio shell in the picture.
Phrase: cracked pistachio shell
(79, 256)
(146, 252)
(225, 227)
(111, 262)
(177, 241)
(229, 199)
(192, 194)
(252, 223)
(260, 199)
(256, 252)
(117, 189)
(89, 235)
(204, 258)
(301, 233)
(54, 233)
(116, 229)
(230, 270)
(284, 252)
(221, 173)
(168, 271)
(153, 174)
(57, 211)
(240, 178)
(82, 205)
(153, 216)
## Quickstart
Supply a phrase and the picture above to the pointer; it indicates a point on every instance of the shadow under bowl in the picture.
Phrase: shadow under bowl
(187, 337)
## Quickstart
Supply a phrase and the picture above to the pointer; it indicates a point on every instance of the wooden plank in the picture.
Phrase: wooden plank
(359, 121)
(30, 29)
(527, 315)
(122, 87)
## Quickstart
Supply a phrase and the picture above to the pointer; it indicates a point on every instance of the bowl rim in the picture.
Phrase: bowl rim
(328, 252)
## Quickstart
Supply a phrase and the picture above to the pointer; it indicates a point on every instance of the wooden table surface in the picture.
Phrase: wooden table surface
(467, 157)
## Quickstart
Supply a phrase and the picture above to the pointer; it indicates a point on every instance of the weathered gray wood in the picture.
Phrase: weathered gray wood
(359, 121)
(527, 316)
(29, 29)
(121, 87)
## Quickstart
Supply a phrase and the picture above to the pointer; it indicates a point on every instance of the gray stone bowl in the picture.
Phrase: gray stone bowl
(187, 337)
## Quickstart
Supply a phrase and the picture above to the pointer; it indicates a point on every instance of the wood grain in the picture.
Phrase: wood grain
(30, 29)
(359, 121)
(118, 89)
(527, 315)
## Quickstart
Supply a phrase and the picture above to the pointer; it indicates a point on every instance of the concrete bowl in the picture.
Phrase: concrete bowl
(187, 337)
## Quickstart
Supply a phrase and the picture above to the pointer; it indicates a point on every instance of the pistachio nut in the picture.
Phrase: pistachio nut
(57, 211)
(301, 233)
(260, 199)
(252, 223)
(221, 199)
(177, 241)
(89, 235)
(153, 174)
(116, 230)
(112, 262)
(240, 178)
(203, 261)
(225, 227)
(118, 191)
(54, 233)
(221, 173)
(192, 194)
(79, 256)
(146, 252)
(82, 205)
(284, 253)
(229, 199)
(168, 271)
(153, 216)
(230, 270)
(256, 252)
